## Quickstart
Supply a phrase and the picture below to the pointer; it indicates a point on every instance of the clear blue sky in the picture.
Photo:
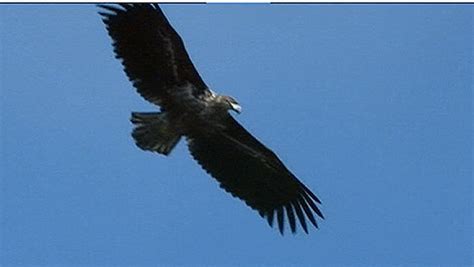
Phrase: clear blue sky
(369, 105)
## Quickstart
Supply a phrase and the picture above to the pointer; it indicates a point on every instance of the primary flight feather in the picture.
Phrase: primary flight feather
(156, 62)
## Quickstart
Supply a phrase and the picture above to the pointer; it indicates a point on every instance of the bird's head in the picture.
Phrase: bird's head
(231, 104)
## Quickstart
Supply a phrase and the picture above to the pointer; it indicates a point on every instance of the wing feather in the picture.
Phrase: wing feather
(281, 222)
(312, 205)
(291, 217)
(308, 212)
(248, 170)
(270, 215)
(300, 215)
(152, 53)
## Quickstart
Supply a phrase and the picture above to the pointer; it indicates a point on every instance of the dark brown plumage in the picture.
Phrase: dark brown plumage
(155, 60)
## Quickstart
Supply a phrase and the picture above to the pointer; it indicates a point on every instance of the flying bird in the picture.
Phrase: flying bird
(156, 62)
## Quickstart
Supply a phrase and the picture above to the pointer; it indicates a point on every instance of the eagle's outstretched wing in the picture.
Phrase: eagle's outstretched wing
(152, 53)
(155, 60)
(250, 171)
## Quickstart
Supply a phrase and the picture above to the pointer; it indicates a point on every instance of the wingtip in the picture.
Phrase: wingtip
(156, 6)
(322, 216)
(310, 193)
(115, 10)
(291, 217)
(300, 215)
(307, 211)
(270, 218)
(281, 221)
(298, 210)
(313, 206)
(104, 16)
(281, 229)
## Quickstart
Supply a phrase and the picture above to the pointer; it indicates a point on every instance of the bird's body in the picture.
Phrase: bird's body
(158, 65)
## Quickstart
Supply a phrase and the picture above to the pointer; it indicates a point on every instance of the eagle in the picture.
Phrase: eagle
(156, 62)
